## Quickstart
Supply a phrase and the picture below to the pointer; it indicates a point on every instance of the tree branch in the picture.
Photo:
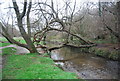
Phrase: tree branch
(24, 9)
(28, 19)
(16, 8)
(8, 37)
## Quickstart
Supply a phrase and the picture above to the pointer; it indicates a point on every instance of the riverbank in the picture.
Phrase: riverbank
(86, 65)
(108, 51)
(31, 66)
(102, 49)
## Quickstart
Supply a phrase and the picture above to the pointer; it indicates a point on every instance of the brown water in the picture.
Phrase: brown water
(85, 65)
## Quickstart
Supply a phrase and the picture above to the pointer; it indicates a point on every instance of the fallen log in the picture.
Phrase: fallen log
(80, 46)
(54, 48)
(65, 45)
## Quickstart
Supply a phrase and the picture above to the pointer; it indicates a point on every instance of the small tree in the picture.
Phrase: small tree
(29, 44)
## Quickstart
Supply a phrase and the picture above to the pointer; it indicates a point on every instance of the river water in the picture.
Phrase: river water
(85, 65)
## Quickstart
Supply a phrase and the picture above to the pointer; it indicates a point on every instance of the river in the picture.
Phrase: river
(85, 65)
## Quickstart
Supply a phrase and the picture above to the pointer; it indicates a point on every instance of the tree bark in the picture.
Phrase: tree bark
(28, 18)
(7, 38)
(20, 16)
(118, 16)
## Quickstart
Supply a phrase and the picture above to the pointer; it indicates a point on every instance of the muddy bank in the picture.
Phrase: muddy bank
(108, 52)
(86, 65)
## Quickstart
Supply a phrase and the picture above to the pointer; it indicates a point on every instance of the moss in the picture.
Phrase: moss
(84, 49)
(105, 52)
(114, 55)
(102, 52)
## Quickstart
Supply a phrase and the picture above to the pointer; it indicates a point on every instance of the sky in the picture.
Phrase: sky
(5, 4)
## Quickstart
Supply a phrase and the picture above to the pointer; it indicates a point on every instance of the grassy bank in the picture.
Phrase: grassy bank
(106, 53)
(103, 52)
(8, 51)
(4, 44)
(31, 66)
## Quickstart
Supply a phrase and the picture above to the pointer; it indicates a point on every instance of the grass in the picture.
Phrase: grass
(100, 41)
(8, 51)
(32, 66)
(19, 39)
(4, 44)
(3, 39)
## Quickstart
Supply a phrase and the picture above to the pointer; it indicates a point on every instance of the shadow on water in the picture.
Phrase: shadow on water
(85, 65)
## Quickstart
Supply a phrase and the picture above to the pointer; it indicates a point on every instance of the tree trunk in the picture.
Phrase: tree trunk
(20, 16)
(28, 19)
(118, 16)
(7, 39)
(26, 37)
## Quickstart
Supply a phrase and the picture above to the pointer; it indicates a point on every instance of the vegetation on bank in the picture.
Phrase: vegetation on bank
(8, 51)
(104, 52)
(104, 49)
(31, 66)
(34, 66)
(4, 44)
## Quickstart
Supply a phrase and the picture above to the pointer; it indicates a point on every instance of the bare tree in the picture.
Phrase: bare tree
(29, 44)
(64, 23)
(116, 14)
(52, 19)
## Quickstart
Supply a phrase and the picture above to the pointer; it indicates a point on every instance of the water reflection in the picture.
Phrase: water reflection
(87, 66)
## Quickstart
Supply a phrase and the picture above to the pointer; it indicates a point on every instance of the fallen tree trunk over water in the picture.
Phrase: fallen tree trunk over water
(65, 45)
(81, 46)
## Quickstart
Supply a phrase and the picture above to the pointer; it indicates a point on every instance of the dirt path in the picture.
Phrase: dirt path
(20, 50)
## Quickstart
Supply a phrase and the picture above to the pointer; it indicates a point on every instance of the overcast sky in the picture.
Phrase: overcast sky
(4, 4)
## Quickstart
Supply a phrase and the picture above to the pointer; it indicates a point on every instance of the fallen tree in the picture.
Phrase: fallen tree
(64, 25)
(87, 44)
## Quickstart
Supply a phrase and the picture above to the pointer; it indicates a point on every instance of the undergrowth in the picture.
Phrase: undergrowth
(32, 66)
